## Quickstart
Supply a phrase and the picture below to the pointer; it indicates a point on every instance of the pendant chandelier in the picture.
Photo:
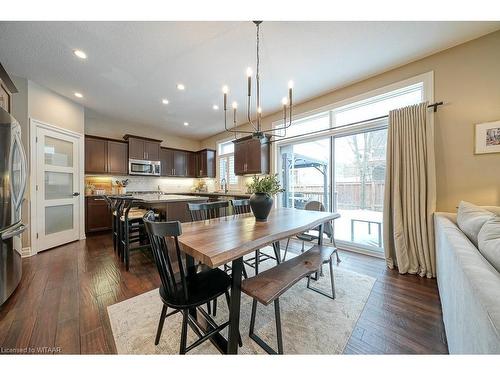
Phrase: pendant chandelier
(257, 132)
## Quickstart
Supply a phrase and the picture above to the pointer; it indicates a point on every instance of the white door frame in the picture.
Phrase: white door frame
(34, 125)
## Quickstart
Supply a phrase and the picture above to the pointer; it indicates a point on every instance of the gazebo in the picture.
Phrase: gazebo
(291, 160)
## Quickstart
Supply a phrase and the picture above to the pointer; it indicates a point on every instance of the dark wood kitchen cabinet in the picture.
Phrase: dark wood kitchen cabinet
(174, 163)
(143, 148)
(96, 159)
(105, 156)
(191, 164)
(117, 158)
(7, 88)
(251, 156)
(97, 214)
(205, 166)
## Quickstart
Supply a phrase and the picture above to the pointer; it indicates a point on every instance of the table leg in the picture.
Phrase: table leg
(191, 270)
(277, 251)
(234, 313)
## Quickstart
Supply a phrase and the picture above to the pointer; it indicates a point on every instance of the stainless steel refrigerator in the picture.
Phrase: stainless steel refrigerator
(13, 176)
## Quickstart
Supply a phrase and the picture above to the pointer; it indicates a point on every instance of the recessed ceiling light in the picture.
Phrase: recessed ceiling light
(186, 123)
(215, 107)
(164, 101)
(180, 86)
(80, 54)
(78, 95)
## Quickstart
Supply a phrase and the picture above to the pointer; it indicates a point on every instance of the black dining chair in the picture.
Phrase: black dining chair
(184, 287)
(207, 211)
(242, 206)
(309, 237)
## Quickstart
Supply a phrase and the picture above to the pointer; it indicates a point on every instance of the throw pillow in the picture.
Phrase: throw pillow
(471, 218)
(489, 241)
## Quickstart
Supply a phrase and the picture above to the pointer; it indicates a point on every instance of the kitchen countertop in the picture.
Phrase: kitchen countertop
(217, 194)
(175, 196)
(165, 198)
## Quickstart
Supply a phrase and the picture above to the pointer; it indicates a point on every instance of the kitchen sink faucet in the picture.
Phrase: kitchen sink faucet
(223, 185)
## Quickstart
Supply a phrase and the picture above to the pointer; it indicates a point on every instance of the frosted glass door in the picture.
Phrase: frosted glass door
(57, 189)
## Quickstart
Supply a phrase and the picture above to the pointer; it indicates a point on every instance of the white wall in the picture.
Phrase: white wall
(37, 102)
(47, 106)
(105, 126)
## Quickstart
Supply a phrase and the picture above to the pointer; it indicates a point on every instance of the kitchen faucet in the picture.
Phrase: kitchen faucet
(223, 185)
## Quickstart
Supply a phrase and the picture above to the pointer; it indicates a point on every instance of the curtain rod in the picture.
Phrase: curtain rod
(433, 105)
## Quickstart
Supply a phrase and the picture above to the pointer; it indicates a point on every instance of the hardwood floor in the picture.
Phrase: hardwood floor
(62, 300)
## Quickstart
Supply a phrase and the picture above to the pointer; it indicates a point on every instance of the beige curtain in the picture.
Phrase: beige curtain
(410, 192)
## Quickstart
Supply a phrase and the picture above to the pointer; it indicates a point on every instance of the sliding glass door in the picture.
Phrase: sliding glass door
(344, 169)
(305, 173)
(359, 188)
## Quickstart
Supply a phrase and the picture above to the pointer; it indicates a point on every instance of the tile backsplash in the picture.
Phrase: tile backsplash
(140, 184)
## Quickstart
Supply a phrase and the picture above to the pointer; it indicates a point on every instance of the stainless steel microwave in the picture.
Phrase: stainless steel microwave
(144, 167)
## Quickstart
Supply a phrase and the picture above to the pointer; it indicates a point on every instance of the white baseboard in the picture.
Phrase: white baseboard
(26, 252)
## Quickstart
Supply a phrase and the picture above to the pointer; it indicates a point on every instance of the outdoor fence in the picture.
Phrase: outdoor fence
(348, 196)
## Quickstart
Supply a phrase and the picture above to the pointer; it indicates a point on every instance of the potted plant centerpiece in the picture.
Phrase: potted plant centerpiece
(263, 189)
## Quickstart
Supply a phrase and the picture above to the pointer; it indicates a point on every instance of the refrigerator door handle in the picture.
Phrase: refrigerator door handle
(18, 200)
(12, 232)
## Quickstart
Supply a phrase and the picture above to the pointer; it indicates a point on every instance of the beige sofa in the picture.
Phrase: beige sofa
(469, 288)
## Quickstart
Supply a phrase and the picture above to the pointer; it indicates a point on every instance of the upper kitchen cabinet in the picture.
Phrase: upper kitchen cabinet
(205, 163)
(117, 157)
(251, 156)
(96, 155)
(7, 88)
(143, 148)
(105, 156)
(174, 163)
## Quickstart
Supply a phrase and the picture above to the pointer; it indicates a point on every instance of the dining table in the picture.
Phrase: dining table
(228, 239)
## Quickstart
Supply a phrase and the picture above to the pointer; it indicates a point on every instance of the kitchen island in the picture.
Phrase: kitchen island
(171, 207)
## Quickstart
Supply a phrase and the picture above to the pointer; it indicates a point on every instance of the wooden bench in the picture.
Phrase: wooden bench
(268, 286)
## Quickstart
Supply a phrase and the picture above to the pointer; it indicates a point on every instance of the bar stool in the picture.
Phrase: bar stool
(113, 205)
(131, 229)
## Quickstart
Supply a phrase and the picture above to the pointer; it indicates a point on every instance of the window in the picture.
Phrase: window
(226, 164)
(344, 169)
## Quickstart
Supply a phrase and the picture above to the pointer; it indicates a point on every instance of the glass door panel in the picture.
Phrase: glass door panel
(305, 173)
(57, 189)
(359, 188)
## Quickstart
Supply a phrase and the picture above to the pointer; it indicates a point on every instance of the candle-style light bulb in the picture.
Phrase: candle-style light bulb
(284, 101)
(259, 110)
(249, 81)
(225, 90)
(235, 105)
(290, 84)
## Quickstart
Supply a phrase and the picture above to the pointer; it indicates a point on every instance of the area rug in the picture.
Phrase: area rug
(311, 322)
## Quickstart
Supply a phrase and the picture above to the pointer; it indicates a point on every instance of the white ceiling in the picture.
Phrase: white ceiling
(131, 66)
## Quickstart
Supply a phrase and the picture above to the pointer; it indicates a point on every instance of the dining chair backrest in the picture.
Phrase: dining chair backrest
(240, 206)
(163, 237)
(318, 206)
(206, 211)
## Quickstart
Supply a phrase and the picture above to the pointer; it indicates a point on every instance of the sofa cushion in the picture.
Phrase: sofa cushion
(489, 241)
(471, 218)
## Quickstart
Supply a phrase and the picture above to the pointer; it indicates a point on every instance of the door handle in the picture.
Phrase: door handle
(76, 194)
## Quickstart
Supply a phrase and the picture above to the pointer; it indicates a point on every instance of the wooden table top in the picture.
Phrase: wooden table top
(219, 241)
